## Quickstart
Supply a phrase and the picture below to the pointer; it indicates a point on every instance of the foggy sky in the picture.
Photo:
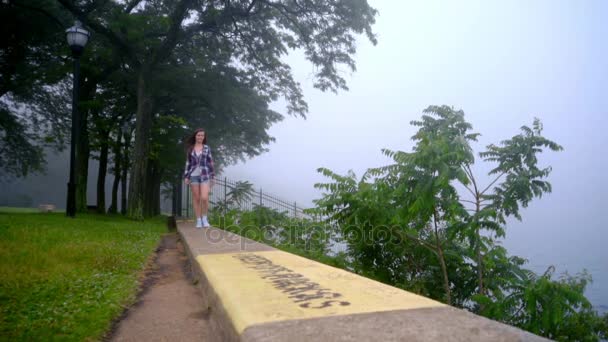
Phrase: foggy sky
(503, 63)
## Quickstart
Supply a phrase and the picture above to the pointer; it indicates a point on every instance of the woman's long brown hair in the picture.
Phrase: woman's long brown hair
(192, 140)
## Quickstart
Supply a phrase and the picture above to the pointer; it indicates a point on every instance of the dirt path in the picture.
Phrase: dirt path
(170, 307)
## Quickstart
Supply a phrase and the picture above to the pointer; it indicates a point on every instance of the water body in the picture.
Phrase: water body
(570, 248)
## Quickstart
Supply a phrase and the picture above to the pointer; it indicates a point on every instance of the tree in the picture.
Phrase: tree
(235, 118)
(116, 170)
(30, 59)
(255, 33)
(18, 155)
(241, 192)
(416, 226)
(442, 158)
(36, 82)
(98, 113)
(557, 309)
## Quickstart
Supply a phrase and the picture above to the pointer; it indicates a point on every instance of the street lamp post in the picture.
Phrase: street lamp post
(77, 39)
(123, 192)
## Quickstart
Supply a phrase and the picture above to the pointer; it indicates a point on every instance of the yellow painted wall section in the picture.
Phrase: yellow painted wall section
(263, 287)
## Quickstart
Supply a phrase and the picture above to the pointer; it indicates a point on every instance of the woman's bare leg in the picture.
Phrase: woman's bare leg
(196, 199)
(205, 198)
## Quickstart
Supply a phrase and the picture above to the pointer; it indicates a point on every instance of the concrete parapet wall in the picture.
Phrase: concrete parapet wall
(257, 293)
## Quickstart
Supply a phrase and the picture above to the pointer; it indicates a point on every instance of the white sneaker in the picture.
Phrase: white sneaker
(199, 222)
(205, 222)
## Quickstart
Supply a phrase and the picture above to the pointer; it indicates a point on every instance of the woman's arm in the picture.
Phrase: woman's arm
(187, 169)
(210, 164)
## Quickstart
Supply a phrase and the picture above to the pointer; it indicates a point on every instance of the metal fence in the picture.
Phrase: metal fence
(220, 196)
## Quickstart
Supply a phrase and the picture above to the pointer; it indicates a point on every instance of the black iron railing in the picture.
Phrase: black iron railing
(223, 196)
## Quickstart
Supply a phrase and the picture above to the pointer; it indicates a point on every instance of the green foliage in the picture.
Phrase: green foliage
(259, 224)
(68, 279)
(17, 210)
(32, 46)
(300, 236)
(166, 147)
(556, 309)
(216, 65)
(222, 59)
(241, 192)
(19, 156)
(425, 224)
(31, 50)
(517, 160)
(235, 117)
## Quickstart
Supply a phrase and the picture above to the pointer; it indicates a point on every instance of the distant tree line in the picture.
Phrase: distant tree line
(430, 224)
(151, 73)
(426, 223)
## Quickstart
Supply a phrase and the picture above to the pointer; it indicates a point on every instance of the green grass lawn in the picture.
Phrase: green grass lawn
(18, 210)
(67, 279)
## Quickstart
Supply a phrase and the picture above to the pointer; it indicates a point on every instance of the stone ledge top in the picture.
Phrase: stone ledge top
(272, 295)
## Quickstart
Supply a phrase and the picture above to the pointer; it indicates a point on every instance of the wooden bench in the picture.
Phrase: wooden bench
(46, 208)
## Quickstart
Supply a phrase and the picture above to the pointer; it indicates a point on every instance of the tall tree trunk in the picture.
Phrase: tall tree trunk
(155, 204)
(149, 198)
(444, 269)
(174, 199)
(101, 175)
(481, 289)
(153, 189)
(178, 203)
(83, 150)
(143, 128)
(123, 179)
(113, 209)
(478, 253)
(117, 171)
(83, 153)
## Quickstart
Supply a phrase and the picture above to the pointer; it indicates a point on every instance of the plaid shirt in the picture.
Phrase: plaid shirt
(204, 160)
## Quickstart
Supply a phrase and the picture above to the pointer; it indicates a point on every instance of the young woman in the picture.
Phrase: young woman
(199, 174)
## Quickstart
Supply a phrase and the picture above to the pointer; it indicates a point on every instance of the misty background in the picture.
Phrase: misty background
(502, 63)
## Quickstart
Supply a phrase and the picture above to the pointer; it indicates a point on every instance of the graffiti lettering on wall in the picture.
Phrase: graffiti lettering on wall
(303, 291)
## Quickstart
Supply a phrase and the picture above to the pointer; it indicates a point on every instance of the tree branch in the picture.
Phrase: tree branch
(131, 5)
(473, 180)
(43, 11)
(421, 242)
(250, 48)
(94, 4)
(466, 171)
(228, 15)
(470, 176)
(99, 28)
(296, 25)
(471, 191)
(497, 178)
(176, 22)
(251, 6)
